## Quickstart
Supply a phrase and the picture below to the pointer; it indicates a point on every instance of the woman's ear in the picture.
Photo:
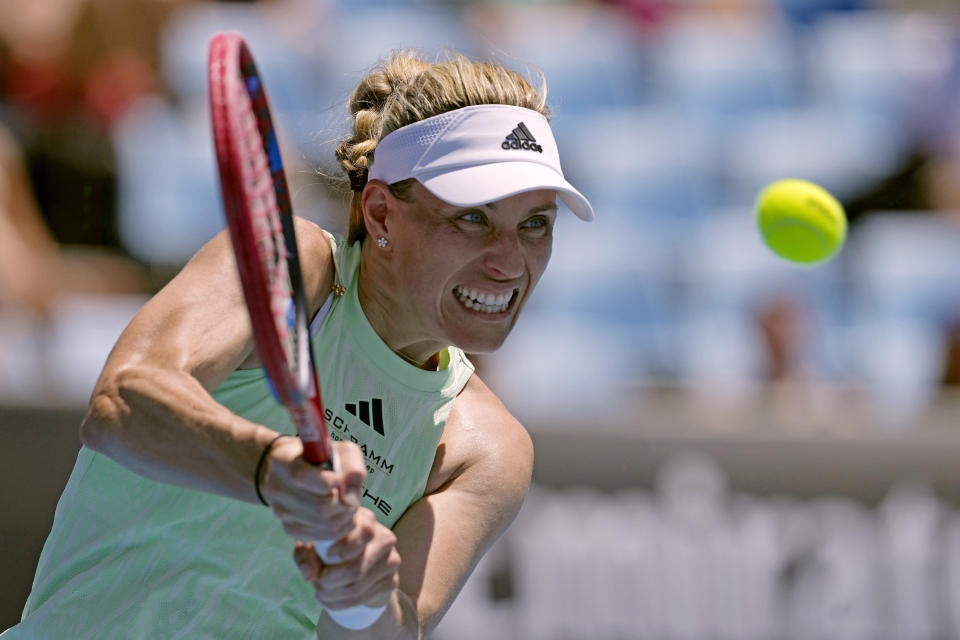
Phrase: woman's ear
(377, 202)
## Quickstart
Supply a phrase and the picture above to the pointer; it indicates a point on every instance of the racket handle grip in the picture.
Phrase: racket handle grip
(359, 617)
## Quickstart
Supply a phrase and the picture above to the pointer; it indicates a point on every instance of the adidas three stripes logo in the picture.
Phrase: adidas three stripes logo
(521, 138)
(369, 413)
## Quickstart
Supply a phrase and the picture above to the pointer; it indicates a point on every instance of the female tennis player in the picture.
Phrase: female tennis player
(162, 529)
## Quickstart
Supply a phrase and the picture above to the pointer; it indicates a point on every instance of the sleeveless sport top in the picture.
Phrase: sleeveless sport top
(129, 557)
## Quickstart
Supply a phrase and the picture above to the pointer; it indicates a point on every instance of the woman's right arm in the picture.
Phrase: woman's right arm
(151, 408)
(152, 411)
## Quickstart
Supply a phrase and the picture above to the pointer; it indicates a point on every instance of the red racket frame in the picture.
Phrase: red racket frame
(231, 71)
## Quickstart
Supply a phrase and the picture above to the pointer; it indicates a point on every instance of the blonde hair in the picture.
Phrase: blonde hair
(405, 88)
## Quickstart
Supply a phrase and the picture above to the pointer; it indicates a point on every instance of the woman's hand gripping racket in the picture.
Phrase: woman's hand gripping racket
(260, 219)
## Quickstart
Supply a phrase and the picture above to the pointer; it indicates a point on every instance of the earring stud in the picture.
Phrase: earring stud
(382, 242)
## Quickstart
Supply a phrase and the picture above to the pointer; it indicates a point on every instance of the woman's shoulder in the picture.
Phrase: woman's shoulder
(312, 235)
(315, 246)
(482, 436)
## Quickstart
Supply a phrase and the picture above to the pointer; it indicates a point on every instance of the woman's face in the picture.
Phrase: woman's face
(465, 272)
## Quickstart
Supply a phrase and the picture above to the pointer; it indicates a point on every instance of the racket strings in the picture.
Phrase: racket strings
(258, 185)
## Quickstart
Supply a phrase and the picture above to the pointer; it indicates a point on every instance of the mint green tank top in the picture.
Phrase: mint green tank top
(129, 557)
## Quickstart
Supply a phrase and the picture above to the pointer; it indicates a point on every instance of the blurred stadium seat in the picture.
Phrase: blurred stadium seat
(291, 43)
(293, 86)
(865, 64)
(904, 271)
(905, 265)
(898, 363)
(555, 369)
(363, 34)
(728, 275)
(596, 324)
(168, 200)
(356, 37)
(838, 151)
(714, 66)
(646, 165)
(57, 362)
(590, 53)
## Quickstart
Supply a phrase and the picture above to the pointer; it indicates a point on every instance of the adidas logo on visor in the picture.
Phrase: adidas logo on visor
(521, 138)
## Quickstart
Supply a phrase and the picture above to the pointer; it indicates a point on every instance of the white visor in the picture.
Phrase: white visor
(476, 155)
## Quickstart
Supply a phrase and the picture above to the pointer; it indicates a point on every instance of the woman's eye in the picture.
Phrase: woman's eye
(474, 216)
(539, 222)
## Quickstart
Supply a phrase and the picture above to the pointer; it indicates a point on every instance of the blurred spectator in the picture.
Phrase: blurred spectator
(781, 325)
(33, 267)
(925, 180)
(787, 388)
(67, 71)
(25, 246)
(792, 391)
(950, 377)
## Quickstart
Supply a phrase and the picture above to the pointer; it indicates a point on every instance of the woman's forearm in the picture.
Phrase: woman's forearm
(163, 424)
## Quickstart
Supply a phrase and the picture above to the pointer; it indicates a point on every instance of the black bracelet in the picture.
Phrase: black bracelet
(263, 458)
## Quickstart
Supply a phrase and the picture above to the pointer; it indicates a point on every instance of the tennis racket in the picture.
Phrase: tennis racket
(260, 219)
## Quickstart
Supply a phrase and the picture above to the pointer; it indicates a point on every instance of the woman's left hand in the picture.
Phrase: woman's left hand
(365, 570)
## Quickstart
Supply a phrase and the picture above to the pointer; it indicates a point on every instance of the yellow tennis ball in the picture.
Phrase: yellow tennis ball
(800, 221)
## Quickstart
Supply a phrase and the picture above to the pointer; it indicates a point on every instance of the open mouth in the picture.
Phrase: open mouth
(485, 302)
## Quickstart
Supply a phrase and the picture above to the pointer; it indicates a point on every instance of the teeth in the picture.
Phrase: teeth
(486, 302)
